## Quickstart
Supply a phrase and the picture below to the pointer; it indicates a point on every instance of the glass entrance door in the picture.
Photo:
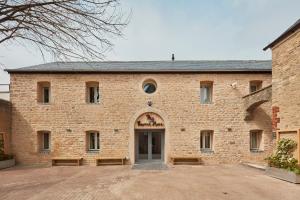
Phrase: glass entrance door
(143, 146)
(150, 145)
(156, 145)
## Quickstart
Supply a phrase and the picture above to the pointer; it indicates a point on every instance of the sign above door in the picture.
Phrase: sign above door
(149, 121)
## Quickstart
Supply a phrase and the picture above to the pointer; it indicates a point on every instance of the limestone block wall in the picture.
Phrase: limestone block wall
(286, 82)
(286, 88)
(122, 100)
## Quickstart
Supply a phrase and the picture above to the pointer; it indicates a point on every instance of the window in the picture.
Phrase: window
(255, 85)
(206, 92)
(206, 139)
(256, 140)
(2, 142)
(93, 141)
(44, 140)
(43, 92)
(93, 95)
(46, 93)
(149, 86)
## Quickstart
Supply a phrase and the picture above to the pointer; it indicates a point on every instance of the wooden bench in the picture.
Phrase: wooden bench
(66, 161)
(186, 160)
(110, 161)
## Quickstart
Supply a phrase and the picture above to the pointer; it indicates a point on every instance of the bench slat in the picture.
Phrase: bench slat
(66, 158)
(186, 160)
(68, 161)
(110, 161)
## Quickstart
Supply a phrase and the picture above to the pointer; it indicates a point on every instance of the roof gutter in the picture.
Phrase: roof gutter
(11, 71)
(290, 31)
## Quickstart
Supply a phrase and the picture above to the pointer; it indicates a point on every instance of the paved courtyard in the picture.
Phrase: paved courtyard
(121, 182)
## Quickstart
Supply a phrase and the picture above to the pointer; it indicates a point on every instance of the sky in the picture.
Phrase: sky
(191, 29)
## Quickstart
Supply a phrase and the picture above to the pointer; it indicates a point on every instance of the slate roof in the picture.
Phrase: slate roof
(289, 31)
(149, 66)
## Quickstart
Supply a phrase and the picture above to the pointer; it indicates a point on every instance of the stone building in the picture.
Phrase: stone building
(144, 111)
(286, 84)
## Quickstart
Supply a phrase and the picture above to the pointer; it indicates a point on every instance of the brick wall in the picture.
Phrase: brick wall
(122, 101)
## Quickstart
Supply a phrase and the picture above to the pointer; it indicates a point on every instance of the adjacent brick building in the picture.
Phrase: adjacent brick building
(141, 110)
(286, 84)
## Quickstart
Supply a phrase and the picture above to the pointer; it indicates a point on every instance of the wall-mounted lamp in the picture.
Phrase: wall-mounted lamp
(149, 103)
(233, 85)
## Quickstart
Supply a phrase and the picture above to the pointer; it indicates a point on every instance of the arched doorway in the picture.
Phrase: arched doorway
(149, 138)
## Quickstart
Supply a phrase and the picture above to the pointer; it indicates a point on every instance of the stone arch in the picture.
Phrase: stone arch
(132, 128)
(255, 99)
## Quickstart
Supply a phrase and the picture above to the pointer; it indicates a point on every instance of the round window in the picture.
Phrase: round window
(149, 86)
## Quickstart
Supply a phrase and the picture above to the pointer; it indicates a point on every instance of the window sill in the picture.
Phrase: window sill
(44, 151)
(208, 151)
(44, 104)
(256, 151)
(93, 151)
(206, 104)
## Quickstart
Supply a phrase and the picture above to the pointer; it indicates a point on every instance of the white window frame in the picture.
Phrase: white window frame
(41, 87)
(203, 140)
(259, 138)
(43, 93)
(208, 88)
(257, 84)
(43, 141)
(96, 96)
(96, 141)
(252, 86)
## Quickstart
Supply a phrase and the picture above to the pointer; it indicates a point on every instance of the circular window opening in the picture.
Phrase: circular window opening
(149, 86)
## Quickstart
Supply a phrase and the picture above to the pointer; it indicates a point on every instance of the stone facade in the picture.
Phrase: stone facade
(286, 88)
(122, 100)
(286, 81)
(5, 124)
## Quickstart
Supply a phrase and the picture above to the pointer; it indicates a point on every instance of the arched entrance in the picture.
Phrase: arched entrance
(149, 138)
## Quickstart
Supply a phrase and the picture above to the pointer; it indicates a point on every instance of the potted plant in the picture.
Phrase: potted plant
(5, 160)
(282, 164)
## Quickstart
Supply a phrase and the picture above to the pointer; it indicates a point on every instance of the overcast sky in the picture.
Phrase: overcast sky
(191, 29)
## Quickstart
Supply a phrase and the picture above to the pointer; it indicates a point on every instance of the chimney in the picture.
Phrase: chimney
(173, 57)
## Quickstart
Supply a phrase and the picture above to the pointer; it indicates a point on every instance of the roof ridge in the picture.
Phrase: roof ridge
(164, 60)
(138, 61)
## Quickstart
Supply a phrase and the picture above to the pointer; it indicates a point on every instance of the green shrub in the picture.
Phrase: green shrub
(283, 156)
